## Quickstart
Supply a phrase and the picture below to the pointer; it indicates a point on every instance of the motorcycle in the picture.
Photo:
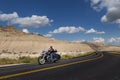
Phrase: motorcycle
(45, 58)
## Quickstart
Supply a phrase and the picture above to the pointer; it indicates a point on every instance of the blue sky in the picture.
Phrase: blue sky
(71, 20)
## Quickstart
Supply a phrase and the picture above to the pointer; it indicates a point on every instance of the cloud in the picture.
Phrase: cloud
(78, 41)
(25, 30)
(112, 16)
(8, 17)
(67, 29)
(48, 35)
(91, 31)
(95, 5)
(99, 39)
(114, 40)
(113, 10)
(94, 2)
(33, 21)
(71, 30)
(94, 31)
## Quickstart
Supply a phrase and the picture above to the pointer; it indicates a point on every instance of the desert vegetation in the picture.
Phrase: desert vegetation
(27, 59)
(4, 61)
(115, 52)
(66, 56)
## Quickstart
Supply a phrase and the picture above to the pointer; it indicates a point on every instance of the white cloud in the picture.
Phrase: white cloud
(99, 39)
(112, 16)
(95, 5)
(114, 40)
(78, 41)
(67, 29)
(94, 2)
(102, 32)
(8, 17)
(94, 31)
(91, 31)
(113, 10)
(25, 30)
(48, 35)
(71, 30)
(33, 21)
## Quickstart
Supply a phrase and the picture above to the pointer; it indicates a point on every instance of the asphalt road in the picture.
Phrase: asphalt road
(93, 67)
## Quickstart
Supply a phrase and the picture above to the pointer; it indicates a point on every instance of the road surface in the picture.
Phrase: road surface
(103, 66)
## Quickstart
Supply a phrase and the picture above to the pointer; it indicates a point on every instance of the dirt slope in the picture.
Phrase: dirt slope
(12, 40)
(15, 41)
(102, 47)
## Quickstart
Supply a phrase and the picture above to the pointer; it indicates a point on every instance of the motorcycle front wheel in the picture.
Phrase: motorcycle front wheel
(41, 60)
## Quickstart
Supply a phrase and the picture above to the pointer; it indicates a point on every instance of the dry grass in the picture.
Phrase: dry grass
(79, 55)
(115, 52)
(20, 60)
(33, 60)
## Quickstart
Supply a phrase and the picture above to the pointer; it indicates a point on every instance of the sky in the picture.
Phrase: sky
(69, 20)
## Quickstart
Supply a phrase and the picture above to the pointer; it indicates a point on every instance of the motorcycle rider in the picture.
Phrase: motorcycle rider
(51, 52)
(49, 55)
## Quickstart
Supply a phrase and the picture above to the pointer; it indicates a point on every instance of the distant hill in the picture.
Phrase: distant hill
(102, 47)
(13, 40)
(15, 44)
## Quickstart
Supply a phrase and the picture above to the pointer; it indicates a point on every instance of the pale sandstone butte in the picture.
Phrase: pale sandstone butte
(13, 40)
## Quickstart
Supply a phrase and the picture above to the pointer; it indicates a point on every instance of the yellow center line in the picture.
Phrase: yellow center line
(48, 68)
